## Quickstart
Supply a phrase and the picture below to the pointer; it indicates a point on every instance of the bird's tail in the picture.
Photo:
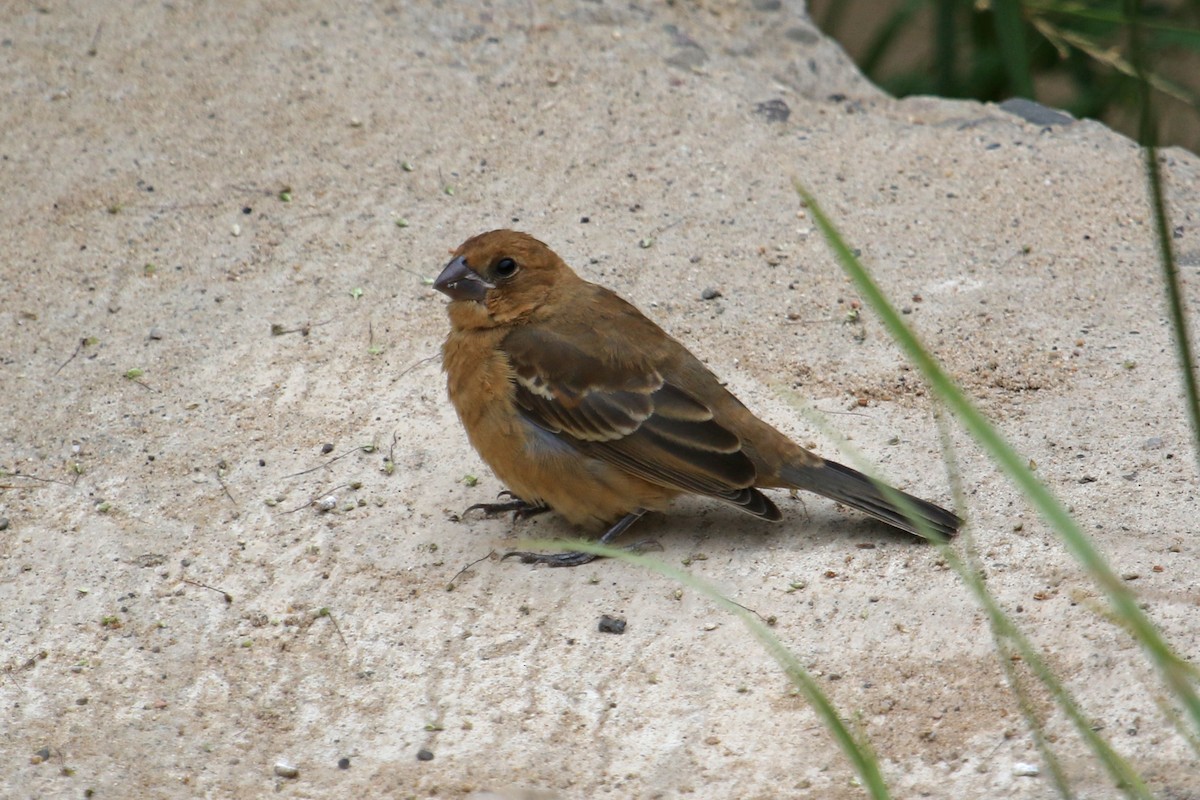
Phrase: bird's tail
(852, 488)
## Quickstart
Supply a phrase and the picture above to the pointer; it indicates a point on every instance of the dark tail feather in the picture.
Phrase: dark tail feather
(852, 488)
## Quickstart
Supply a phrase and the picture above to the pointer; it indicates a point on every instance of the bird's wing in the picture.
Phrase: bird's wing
(584, 386)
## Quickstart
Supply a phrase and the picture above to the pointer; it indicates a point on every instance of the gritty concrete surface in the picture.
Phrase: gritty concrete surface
(180, 177)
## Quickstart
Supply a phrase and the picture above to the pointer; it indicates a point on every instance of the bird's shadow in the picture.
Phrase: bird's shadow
(693, 525)
(817, 524)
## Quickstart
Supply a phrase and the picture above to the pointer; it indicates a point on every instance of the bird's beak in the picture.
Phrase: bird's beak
(460, 282)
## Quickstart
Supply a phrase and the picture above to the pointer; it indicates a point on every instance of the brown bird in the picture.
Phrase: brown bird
(581, 404)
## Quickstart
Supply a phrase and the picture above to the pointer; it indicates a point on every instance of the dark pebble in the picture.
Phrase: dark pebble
(803, 35)
(326, 448)
(773, 111)
(611, 624)
(1036, 113)
(710, 294)
(3, 523)
(424, 755)
(343, 763)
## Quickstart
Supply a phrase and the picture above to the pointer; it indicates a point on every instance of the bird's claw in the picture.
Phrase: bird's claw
(520, 508)
(576, 558)
(496, 508)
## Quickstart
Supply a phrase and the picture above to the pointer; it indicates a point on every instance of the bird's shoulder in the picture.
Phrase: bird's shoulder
(594, 340)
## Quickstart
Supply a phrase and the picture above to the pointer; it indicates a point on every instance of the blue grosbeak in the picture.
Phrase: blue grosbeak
(581, 404)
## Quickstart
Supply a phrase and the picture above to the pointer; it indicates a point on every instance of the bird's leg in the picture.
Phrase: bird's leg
(520, 508)
(577, 559)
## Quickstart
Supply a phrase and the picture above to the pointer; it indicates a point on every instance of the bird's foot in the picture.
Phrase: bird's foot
(576, 559)
(520, 508)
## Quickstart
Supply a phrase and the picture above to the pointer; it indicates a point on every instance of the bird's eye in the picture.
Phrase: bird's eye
(505, 267)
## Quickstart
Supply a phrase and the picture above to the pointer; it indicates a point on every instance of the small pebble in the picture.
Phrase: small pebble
(773, 111)
(326, 448)
(156, 333)
(1024, 770)
(710, 294)
(286, 770)
(343, 763)
(424, 755)
(327, 503)
(610, 624)
(236, 230)
(3, 523)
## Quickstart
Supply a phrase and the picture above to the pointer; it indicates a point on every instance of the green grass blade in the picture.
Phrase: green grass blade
(1147, 137)
(1032, 721)
(1005, 630)
(946, 57)
(1010, 35)
(972, 562)
(859, 753)
(1176, 672)
(1007, 636)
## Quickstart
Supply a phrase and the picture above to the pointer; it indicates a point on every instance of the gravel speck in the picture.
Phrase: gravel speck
(773, 111)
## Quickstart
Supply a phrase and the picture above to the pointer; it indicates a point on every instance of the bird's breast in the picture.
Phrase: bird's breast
(536, 464)
(481, 385)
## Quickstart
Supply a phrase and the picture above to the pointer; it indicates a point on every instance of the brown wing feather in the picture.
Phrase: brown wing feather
(625, 413)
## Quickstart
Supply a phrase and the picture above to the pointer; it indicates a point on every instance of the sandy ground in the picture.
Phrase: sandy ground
(181, 177)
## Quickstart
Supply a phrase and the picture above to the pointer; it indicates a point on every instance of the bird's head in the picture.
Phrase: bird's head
(500, 277)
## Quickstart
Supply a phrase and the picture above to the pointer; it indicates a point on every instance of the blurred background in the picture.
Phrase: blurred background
(1077, 55)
